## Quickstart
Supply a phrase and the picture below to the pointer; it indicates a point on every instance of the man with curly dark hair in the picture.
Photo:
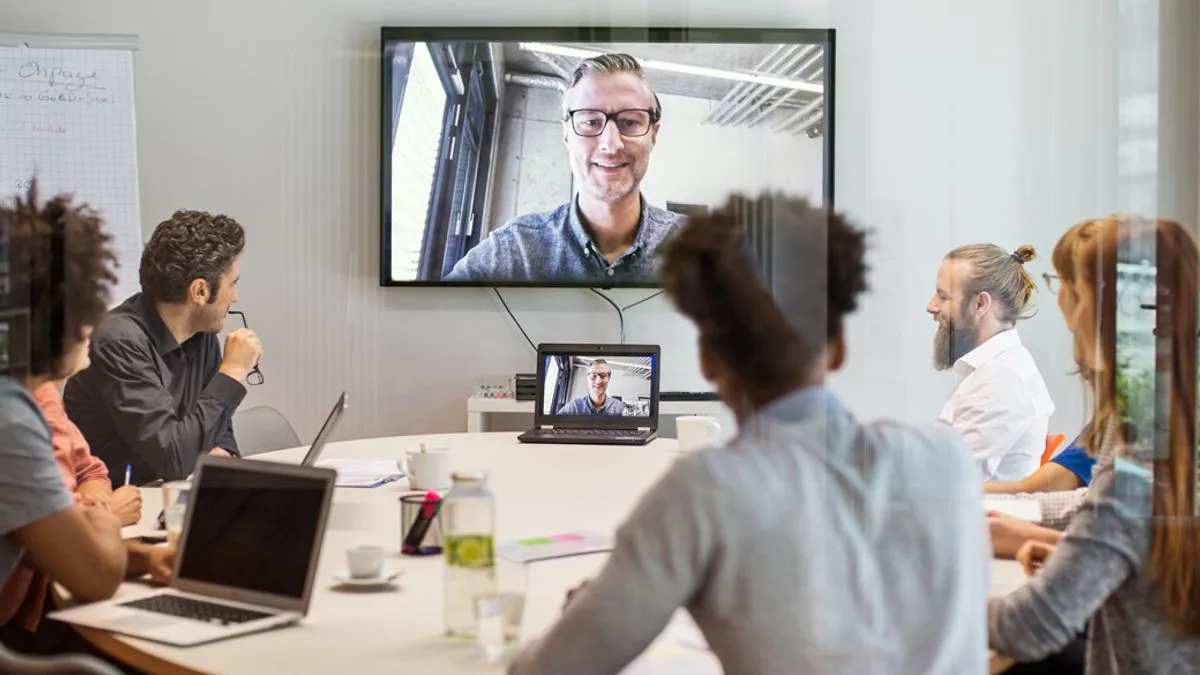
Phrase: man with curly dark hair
(160, 393)
(813, 542)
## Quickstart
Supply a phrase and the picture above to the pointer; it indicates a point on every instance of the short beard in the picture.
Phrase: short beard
(950, 343)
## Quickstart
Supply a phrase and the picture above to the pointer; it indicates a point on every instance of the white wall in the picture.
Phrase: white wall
(692, 162)
(956, 122)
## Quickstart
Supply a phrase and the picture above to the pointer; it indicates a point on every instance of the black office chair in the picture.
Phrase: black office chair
(63, 664)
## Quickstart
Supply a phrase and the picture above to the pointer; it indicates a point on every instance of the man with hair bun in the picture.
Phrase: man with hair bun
(999, 403)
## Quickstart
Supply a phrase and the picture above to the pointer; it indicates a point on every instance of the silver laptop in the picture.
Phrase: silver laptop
(246, 561)
(351, 472)
(331, 422)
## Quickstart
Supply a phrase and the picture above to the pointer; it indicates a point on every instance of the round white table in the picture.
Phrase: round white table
(540, 490)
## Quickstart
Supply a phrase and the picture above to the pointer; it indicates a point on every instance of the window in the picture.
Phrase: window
(414, 160)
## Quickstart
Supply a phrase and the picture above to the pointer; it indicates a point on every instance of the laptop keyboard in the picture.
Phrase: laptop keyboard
(199, 610)
(590, 433)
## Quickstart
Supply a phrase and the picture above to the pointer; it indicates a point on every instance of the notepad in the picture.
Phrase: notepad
(1025, 509)
(552, 546)
(362, 472)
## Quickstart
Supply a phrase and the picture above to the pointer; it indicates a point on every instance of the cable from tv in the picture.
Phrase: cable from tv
(620, 311)
(514, 318)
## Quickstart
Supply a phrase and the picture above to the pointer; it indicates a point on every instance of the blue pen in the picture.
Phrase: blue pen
(128, 471)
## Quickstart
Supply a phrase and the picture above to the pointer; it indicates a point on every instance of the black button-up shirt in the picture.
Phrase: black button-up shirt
(149, 402)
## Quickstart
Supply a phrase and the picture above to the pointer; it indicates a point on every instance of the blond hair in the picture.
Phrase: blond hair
(608, 64)
(1001, 275)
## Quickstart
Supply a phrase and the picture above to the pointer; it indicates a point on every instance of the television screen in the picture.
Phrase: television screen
(567, 156)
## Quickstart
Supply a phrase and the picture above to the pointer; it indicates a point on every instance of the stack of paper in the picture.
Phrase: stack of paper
(552, 546)
(1025, 509)
(363, 472)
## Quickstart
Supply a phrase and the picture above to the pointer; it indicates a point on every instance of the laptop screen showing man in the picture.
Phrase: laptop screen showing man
(597, 384)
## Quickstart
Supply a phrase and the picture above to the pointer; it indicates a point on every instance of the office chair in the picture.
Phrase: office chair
(263, 429)
(63, 664)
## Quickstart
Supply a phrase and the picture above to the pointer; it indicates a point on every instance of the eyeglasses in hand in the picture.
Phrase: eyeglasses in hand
(255, 376)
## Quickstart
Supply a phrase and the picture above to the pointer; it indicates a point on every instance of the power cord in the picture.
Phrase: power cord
(619, 309)
(620, 312)
(514, 318)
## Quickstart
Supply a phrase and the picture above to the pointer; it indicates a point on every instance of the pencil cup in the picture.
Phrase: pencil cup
(410, 508)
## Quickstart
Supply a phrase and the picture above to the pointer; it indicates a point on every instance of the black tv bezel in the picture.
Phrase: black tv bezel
(648, 34)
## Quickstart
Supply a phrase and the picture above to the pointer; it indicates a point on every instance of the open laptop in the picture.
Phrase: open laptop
(351, 472)
(596, 394)
(331, 422)
(246, 560)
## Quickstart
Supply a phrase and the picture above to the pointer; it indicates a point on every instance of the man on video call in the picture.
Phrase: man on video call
(607, 232)
(597, 402)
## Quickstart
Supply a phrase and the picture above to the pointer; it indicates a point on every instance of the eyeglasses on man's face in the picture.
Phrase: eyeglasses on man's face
(255, 376)
(598, 376)
(631, 123)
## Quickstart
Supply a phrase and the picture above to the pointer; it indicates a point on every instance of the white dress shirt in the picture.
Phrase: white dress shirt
(1001, 407)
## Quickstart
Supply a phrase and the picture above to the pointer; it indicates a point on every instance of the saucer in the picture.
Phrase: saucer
(385, 576)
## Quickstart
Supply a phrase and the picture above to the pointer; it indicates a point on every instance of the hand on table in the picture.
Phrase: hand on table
(1009, 533)
(160, 563)
(1033, 555)
(124, 502)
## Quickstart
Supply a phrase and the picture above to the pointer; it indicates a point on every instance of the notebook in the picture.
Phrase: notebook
(350, 472)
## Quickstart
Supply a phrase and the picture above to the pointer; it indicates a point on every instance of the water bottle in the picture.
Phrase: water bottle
(469, 523)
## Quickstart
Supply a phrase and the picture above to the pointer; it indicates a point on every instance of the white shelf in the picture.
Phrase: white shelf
(478, 408)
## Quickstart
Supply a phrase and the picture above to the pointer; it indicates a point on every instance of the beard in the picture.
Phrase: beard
(951, 342)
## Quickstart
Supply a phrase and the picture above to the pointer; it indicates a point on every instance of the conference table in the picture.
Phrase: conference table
(540, 490)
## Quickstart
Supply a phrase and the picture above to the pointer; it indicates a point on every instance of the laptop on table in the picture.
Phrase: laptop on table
(246, 560)
(596, 394)
(351, 472)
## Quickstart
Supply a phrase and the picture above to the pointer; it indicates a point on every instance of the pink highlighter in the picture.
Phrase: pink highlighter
(416, 534)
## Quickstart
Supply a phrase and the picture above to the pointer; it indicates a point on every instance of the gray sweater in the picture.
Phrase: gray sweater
(1096, 573)
(811, 544)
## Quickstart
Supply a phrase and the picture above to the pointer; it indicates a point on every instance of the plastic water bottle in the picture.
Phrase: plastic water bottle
(469, 523)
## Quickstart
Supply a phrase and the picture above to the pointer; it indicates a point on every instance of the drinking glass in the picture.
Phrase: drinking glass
(499, 614)
(175, 501)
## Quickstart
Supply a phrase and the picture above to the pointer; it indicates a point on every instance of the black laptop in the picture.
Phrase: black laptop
(596, 394)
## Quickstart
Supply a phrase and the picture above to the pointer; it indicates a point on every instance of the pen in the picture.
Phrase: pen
(128, 470)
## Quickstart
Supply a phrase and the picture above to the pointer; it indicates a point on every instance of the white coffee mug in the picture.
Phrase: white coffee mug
(429, 469)
(697, 431)
(365, 562)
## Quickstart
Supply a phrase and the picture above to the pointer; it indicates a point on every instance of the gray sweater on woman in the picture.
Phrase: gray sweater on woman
(1096, 573)
(811, 544)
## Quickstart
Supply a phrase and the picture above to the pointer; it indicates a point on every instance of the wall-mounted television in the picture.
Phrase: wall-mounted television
(532, 157)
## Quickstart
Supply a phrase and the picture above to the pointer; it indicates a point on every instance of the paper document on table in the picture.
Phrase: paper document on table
(552, 546)
(1025, 509)
(362, 472)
